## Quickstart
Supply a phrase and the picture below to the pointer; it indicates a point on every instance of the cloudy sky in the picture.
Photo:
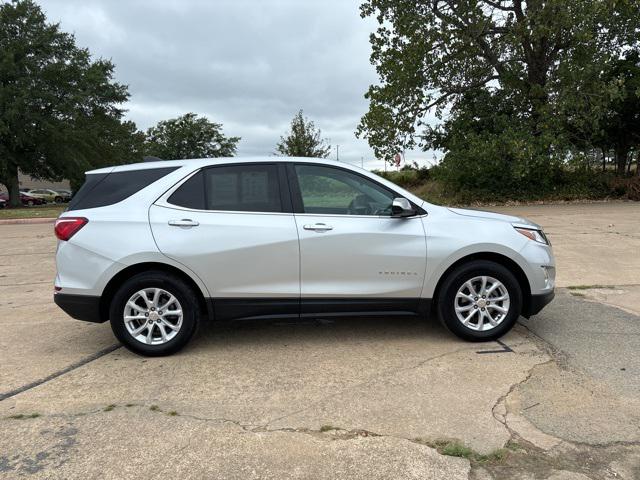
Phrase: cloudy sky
(248, 64)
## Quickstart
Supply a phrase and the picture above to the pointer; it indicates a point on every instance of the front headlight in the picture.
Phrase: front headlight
(533, 234)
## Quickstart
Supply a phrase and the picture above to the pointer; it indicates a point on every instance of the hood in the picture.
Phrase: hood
(492, 216)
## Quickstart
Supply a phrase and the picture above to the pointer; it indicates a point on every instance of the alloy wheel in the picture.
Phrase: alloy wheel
(482, 303)
(153, 316)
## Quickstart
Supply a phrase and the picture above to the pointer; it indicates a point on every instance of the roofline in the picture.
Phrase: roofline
(200, 162)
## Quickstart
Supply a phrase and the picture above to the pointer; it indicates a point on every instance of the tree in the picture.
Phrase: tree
(189, 136)
(430, 53)
(621, 122)
(59, 109)
(303, 140)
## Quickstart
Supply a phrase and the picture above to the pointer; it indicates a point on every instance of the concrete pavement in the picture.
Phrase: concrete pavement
(364, 398)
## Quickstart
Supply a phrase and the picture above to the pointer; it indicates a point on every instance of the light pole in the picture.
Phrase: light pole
(337, 153)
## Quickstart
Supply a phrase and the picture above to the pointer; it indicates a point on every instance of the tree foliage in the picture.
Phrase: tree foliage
(303, 140)
(507, 76)
(189, 136)
(60, 110)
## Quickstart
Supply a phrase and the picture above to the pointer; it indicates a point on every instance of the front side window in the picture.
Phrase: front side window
(236, 188)
(327, 190)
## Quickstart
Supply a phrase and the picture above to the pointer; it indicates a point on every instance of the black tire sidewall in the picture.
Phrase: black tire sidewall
(183, 293)
(446, 300)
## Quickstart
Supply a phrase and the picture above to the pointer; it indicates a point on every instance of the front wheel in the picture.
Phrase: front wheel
(154, 314)
(480, 301)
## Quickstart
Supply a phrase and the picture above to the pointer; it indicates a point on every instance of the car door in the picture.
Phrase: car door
(233, 226)
(354, 256)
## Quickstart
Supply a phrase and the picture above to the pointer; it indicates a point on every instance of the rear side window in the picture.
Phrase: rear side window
(237, 188)
(100, 190)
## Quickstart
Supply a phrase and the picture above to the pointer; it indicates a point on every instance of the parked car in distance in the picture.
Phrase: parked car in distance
(3, 203)
(49, 196)
(65, 194)
(174, 243)
(26, 199)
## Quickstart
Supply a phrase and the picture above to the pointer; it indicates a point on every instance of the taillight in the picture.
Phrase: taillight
(67, 227)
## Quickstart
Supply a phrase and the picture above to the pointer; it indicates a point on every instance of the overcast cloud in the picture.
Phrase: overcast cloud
(248, 64)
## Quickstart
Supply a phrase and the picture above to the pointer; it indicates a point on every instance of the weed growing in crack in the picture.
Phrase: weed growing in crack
(453, 448)
(22, 416)
(589, 287)
(328, 428)
(154, 408)
(109, 408)
(172, 413)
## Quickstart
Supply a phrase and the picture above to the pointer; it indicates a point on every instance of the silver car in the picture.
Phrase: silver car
(158, 247)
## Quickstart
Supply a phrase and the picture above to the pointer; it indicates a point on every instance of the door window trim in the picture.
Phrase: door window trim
(283, 185)
(298, 205)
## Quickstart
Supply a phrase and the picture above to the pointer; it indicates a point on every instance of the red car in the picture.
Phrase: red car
(27, 200)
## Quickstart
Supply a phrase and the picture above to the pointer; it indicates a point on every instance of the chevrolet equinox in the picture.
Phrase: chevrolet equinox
(157, 247)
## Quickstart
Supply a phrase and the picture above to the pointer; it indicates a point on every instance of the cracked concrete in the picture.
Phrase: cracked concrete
(329, 399)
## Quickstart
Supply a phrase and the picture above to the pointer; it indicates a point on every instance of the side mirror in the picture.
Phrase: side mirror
(401, 207)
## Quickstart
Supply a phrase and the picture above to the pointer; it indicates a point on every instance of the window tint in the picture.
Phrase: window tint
(335, 191)
(190, 194)
(249, 188)
(100, 190)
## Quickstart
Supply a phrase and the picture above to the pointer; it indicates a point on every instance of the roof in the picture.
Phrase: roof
(200, 162)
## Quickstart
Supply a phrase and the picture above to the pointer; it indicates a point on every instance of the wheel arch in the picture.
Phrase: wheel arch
(112, 285)
(500, 259)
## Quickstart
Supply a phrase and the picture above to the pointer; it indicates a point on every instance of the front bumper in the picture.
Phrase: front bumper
(80, 307)
(538, 302)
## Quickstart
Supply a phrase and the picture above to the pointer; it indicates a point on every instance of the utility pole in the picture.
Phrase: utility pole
(337, 153)
(362, 162)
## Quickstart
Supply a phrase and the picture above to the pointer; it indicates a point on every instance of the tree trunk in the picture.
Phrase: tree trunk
(604, 161)
(622, 154)
(13, 185)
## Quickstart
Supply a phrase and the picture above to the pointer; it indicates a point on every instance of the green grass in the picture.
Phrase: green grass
(589, 287)
(328, 428)
(108, 408)
(154, 408)
(172, 413)
(44, 211)
(22, 416)
(454, 448)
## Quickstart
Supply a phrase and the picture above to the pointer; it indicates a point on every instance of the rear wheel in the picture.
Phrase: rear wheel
(58, 199)
(480, 301)
(154, 314)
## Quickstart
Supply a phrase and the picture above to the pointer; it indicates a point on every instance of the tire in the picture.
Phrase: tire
(479, 328)
(58, 200)
(186, 302)
(30, 203)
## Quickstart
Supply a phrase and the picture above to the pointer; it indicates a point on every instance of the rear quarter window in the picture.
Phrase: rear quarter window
(102, 189)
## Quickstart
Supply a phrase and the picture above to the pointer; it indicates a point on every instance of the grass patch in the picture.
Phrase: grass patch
(108, 408)
(577, 294)
(454, 448)
(128, 405)
(172, 413)
(44, 211)
(154, 408)
(328, 428)
(589, 287)
(23, 416)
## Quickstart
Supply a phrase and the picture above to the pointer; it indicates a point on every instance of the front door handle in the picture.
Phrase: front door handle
(318, 227)
(185, 222)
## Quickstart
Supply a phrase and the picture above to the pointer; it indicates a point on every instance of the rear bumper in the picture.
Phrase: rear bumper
(538, 302)
(80, 307)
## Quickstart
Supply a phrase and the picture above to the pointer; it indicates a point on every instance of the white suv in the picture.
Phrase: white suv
(158, 247)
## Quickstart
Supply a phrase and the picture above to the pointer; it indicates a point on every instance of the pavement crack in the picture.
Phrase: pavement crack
(370, 380)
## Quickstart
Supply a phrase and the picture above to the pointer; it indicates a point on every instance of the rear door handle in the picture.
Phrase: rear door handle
(185, 222)
(318, 227)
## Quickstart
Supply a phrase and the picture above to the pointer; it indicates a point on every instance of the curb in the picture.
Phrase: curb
(26, 221)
